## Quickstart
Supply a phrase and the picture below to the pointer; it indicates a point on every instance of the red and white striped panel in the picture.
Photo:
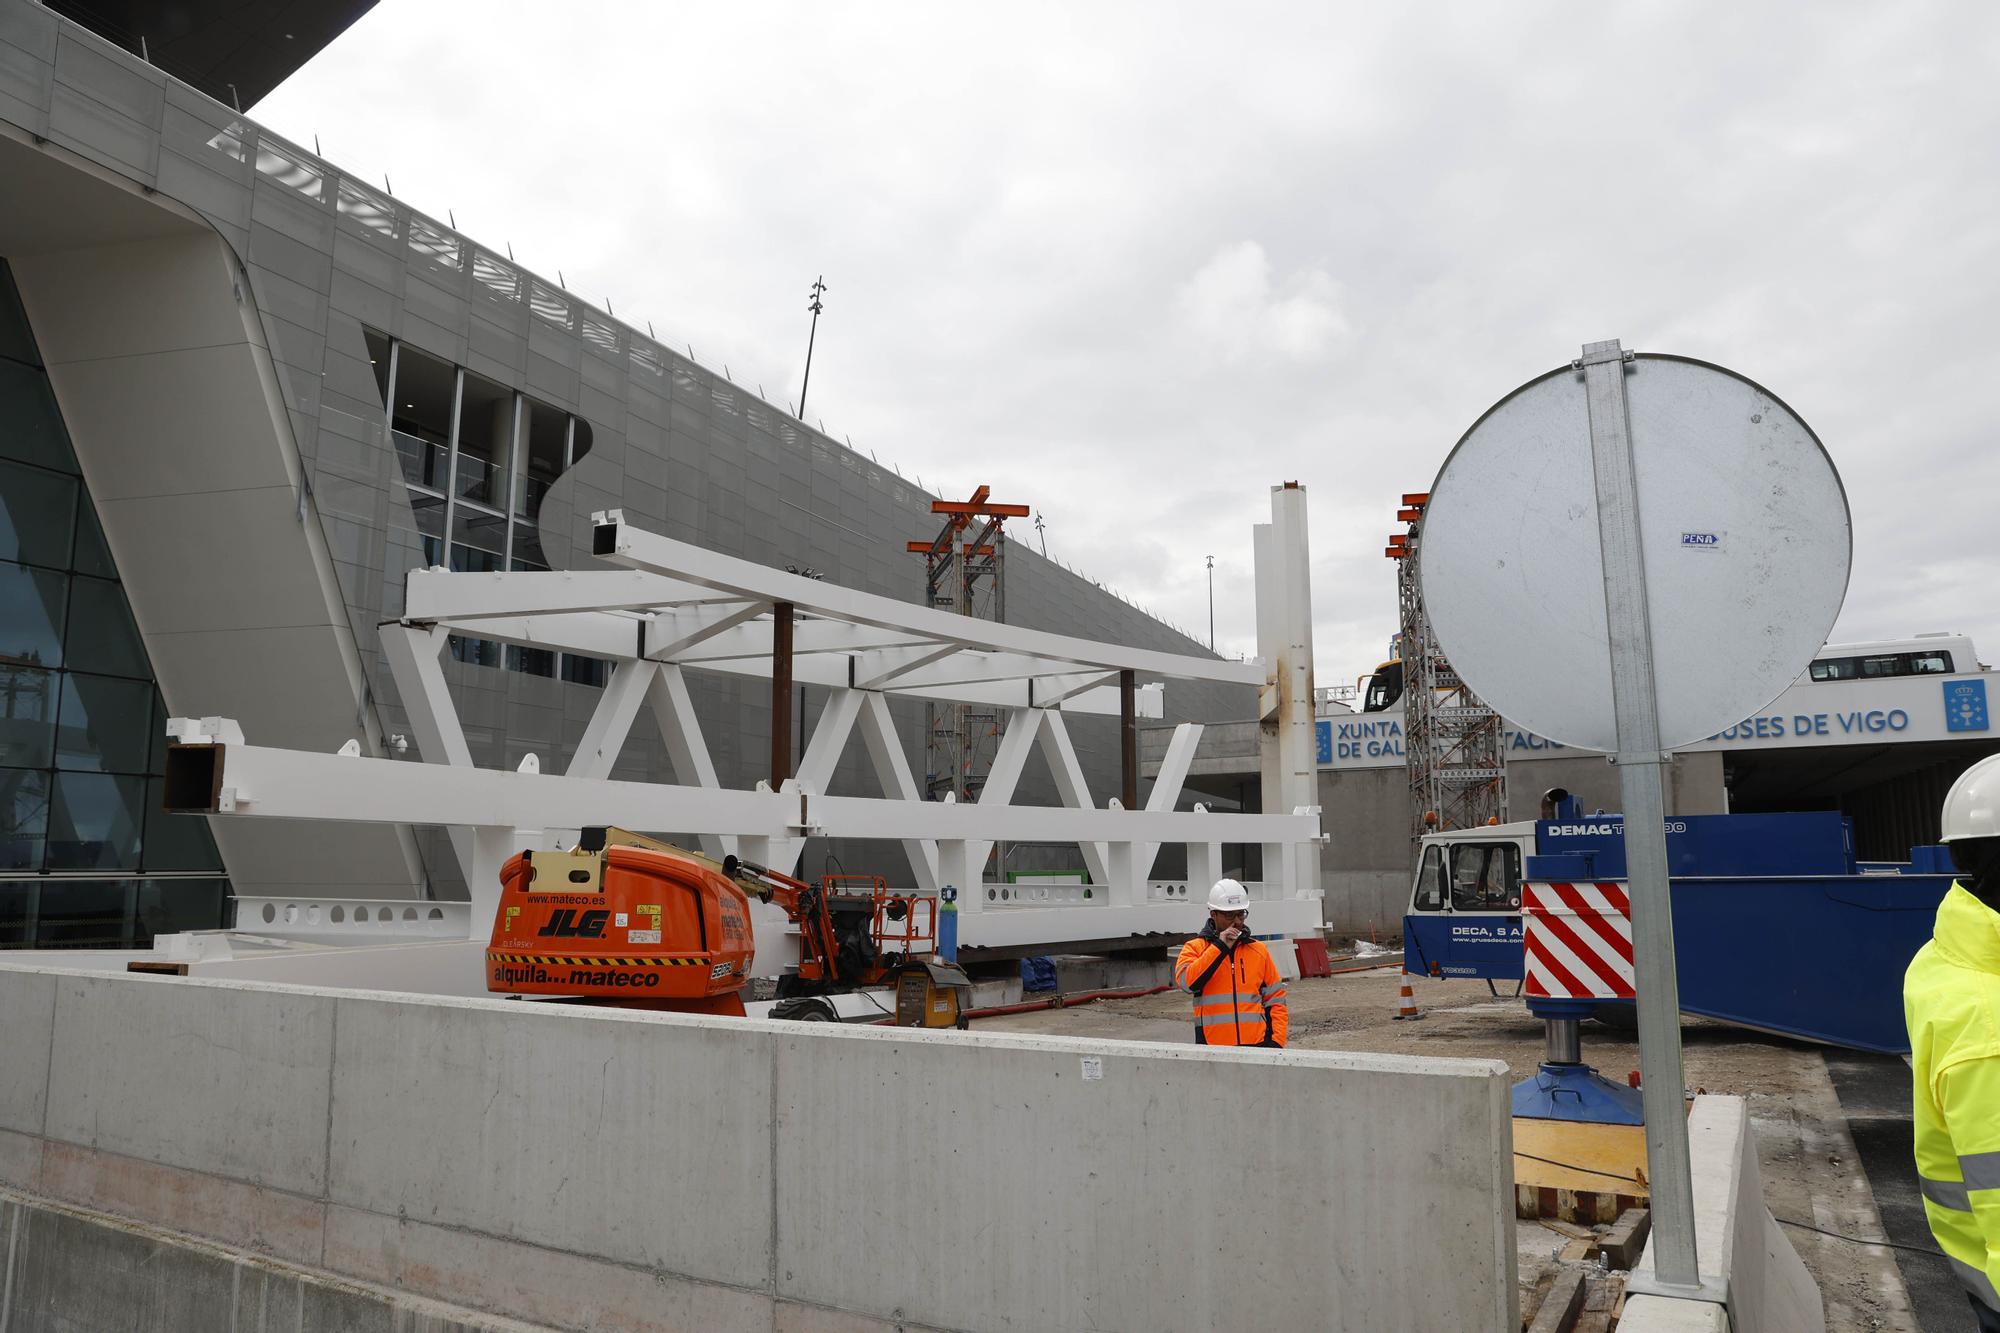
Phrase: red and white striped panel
(1579, 941)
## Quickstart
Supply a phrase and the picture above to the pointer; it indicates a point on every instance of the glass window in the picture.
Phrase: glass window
(378, 360)
(86, 914)
(101, 636)
(31, 430)
(548, 430)
(585, 670)
(1887, 664)
(17, 914)
(485, 442)
(1930, 664)
(531, 661)
(15, 339)
(428, 510)
(107, 724)
(36, 510)
(1430, 881)
(477, 540)
(27, 716)
(32, 605)
(24, 817)
(176, 842)
(420, 413)
(92, 555)
(169, 906)
(1486, 877)
(477, 652)
(95, 822)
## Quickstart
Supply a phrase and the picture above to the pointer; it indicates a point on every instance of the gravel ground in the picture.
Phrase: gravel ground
(1807, 1157)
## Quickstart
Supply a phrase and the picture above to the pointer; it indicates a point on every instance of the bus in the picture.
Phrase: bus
(1939, 654)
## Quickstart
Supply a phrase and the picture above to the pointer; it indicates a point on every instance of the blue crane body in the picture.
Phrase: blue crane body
(1777, 925)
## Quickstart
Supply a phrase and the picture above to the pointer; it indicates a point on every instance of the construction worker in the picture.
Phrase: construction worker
(1239, 998)
(1951, 1000)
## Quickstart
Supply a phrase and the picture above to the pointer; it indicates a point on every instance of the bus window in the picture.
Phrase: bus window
(1430, 881)
(1486, 877)
(1928, 662)
(1384, 687)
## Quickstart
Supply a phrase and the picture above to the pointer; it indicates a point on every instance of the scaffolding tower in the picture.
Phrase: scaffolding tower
(1452, 741)
(965, 574)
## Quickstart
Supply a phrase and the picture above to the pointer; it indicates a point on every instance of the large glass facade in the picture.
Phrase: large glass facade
(477, 459)
(87, 857)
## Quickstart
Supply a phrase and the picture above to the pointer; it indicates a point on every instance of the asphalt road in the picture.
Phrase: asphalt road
(1874, 1095)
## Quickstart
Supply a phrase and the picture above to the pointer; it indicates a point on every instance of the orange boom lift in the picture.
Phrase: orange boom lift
(635, 923)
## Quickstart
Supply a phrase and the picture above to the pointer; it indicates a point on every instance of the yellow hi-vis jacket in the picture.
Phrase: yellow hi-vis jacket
(1951, 1000)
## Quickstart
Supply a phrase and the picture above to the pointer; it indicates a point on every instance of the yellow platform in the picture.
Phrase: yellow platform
(1579, 1172)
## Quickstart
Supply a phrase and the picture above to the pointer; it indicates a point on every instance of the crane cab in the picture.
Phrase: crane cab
(1464, 914)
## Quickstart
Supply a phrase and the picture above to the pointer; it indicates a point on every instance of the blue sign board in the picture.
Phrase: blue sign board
(1965, 705)
(1323, 741)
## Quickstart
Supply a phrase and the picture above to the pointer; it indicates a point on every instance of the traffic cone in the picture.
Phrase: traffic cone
(1407, 1005)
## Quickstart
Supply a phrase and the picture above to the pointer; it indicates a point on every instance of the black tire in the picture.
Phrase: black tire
(807, 1009)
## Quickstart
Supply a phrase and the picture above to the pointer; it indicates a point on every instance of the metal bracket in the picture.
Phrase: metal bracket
(1711, 1291)
(1597, 354)
(1640, 757)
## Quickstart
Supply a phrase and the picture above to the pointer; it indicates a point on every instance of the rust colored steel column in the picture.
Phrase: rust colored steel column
(1128, 735)
(781, 693)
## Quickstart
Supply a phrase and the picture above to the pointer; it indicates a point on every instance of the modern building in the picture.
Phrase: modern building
(243, 393)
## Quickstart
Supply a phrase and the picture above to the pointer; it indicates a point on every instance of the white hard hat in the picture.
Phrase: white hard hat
(1972, 806)
(1228, 896)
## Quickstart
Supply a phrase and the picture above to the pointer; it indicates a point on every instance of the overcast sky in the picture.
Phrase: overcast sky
(1132, 264)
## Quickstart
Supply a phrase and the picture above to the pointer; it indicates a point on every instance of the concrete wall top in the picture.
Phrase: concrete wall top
(1736, 1238)
(956, 1180)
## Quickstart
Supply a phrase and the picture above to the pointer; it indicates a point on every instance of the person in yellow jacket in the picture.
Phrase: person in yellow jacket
(1239, 998)
(1951, 1000)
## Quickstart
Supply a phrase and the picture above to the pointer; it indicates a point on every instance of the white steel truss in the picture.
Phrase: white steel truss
(676, 608)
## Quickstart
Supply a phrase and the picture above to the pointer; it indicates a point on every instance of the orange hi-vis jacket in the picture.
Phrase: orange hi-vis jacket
(1239, 998)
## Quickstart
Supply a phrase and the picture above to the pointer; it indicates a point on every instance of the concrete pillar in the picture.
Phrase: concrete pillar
(1288, 764)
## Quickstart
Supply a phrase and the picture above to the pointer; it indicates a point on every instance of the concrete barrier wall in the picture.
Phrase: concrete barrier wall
(1736, 1240)
(619, 1171)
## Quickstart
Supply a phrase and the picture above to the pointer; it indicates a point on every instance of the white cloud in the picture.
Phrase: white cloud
(1173, 253)
(1232, 311)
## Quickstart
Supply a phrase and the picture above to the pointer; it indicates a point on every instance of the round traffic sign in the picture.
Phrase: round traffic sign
(1744, 533)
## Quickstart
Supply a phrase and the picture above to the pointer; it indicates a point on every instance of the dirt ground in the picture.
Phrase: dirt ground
(1808, 1161)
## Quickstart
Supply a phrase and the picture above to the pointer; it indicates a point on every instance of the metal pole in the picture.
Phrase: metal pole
(1211, 604)
(1636, 705)
(1128, 734)
(815, 305)
(781, 693)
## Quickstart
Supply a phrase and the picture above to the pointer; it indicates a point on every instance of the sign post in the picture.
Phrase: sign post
(1629, 554)
(1635, 702)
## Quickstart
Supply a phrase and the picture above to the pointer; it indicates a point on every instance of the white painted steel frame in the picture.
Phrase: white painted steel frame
(679, 607)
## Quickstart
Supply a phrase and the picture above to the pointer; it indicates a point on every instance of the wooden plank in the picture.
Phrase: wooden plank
(1625, 1241)
(1565, 1300)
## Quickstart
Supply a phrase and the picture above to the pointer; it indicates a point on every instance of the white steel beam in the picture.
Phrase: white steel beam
(882, 667)
(892, 771)
(1009, 759)
(1074, 790)
(437, 594)
(672, 633)
(680, 729)
(624, 545)
(604, 739)
(1174, 766)
(415, 664)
